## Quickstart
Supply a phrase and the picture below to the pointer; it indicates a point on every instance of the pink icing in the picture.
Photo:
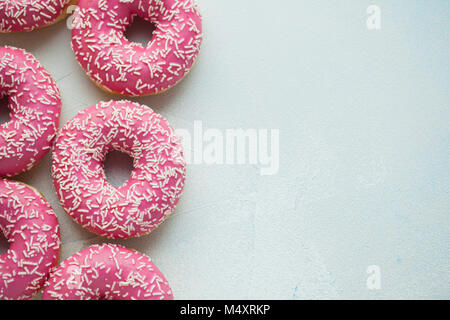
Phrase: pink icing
(128, 68)
(27, 15)
(31, 228)
(155, 185)
(35, 107)
(107, 272)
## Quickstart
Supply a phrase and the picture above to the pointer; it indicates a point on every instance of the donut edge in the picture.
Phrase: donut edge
(64, 14)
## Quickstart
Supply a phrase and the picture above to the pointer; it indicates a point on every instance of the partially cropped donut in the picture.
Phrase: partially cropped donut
(28, 15)
(31, 228)
(126, 68)
(155, 185)
(107, 272)
(35, 107)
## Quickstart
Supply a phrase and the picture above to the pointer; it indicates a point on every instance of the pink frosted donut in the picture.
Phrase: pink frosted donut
(35, 107)
(31, 228)
(28, 15)
(107, 272)
(155, 185)
(126, 68)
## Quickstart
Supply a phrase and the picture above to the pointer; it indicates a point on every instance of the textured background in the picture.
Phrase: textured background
(364, 159)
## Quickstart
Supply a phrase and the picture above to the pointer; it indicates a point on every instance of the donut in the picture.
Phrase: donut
(35, 107)
(28, 15)
(31, 228)
(156, 183)
(126, 68)
(107, 272)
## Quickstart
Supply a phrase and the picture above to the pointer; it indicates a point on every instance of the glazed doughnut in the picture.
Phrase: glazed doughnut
(107, 272)
(127, 68)
(155, 185)
(35, 107)
(28, 15)
(31, 228)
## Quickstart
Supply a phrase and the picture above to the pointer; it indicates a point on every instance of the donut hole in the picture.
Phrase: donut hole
(4, 244)
(140, 31)
(4, 110)
(118, 167)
